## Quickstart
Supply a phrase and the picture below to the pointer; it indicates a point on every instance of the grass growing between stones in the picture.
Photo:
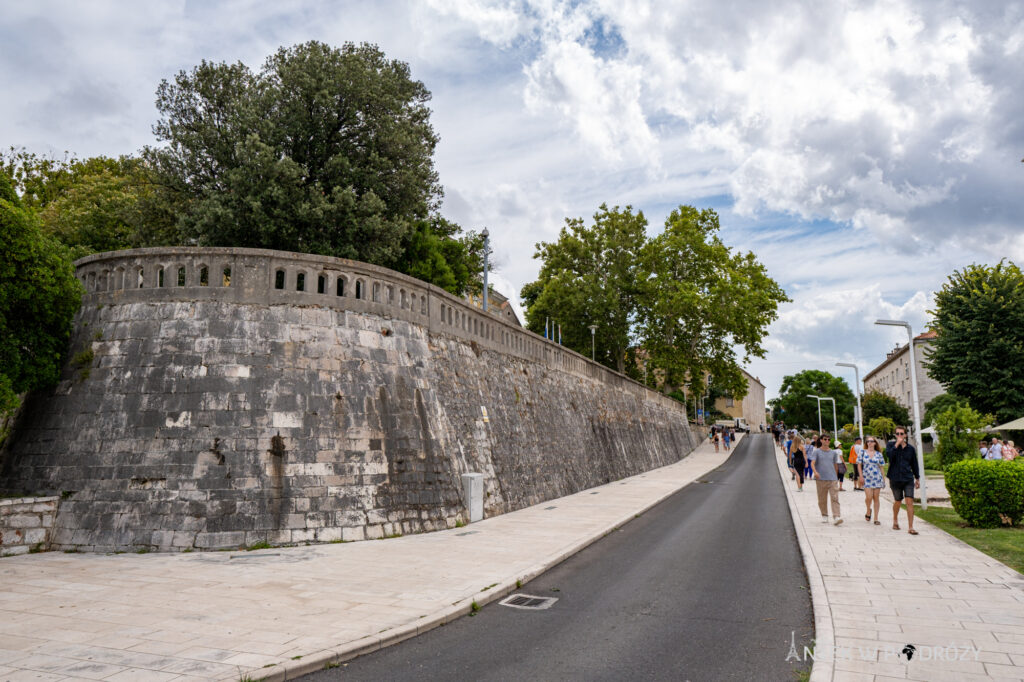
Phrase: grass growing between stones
(1003, 544)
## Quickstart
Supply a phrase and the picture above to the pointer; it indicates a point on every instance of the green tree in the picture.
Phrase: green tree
(38, 298)
(94, 204)
(323, 150)
(700, 303)
(937, 405)
(959, 429)
(979, 318)
(882, 427)
(802, 412)
(591, 276)
(435, 252)
(878, 404)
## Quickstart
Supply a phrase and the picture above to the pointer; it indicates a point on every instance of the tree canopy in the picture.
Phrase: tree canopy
(979, 319)
(802, 412)
(324, 150)
(591, 276)
(94, 204)
(937, 405)
(959, 428)
(680, 304)
(879, 404)
(701, 303)
(38, 299)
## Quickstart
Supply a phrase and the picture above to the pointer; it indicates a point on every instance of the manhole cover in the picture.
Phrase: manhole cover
(528, 601)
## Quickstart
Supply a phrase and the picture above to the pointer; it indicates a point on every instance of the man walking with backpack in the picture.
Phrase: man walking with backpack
(904, 477)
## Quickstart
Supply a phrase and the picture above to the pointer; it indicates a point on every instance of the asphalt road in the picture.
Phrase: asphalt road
(708, 585)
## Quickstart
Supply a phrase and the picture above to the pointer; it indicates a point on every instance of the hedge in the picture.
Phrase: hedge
(987, 493)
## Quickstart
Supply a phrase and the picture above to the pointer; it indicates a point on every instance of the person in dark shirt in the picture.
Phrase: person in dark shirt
(904, 477)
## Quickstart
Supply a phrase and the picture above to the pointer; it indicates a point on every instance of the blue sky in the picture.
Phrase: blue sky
(862, 150)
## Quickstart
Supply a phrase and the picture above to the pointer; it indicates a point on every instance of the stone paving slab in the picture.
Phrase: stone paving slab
(876, 590)
(282, 612)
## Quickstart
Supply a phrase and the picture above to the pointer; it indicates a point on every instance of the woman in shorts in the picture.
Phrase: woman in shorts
(869, 468)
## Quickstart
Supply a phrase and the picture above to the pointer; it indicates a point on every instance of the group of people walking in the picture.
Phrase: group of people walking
(818, 458)
(998, 449)
(722, 435)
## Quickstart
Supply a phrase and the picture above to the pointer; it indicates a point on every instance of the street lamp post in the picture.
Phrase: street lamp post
(856, 387)
(835, 424)
(487, 245)
(818, 398)
(593, 330)
(917, 410)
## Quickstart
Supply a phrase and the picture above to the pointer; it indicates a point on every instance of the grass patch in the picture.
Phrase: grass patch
(489, 587)
(474, 607)
(519, 583)
(258, 545)
(1003, 544)
(331, 664)
(459, 523)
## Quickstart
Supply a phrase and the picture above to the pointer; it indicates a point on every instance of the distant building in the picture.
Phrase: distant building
(751, 408)
(893, 375)
(497, 305)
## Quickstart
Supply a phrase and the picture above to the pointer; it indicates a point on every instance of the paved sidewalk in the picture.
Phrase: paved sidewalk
(876, 590)
(279, 613)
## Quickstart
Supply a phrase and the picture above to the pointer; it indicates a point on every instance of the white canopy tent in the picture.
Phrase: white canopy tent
(1015, 425)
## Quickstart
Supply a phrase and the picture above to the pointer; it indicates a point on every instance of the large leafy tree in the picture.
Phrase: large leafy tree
(38, 298)
(802, 412)
(979, 318)
(94, 204)
(701, 303)
(878, 404)
(324, 150)
(591, 276)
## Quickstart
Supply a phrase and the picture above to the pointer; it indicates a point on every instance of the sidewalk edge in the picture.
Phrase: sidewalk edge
(822, 670)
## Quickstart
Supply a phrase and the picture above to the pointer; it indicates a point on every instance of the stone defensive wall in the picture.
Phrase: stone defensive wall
(223, 397)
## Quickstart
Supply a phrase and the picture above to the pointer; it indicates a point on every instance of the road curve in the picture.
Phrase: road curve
(707, 585)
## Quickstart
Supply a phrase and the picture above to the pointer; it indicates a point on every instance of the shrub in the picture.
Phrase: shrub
(987, 493)
(959, 428)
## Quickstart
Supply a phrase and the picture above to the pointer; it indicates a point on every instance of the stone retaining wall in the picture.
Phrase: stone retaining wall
(224, 397)
(25, 524)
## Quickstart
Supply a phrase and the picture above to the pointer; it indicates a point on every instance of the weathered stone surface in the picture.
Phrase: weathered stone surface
(215, 416)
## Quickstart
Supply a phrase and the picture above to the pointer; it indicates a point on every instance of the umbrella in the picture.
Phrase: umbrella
(1015, 425)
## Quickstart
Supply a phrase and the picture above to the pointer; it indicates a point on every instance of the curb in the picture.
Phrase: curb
(822, 670)
(346, 652)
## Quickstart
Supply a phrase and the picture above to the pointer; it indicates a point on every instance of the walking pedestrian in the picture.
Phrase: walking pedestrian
(983, 449)
(1010, 451)
(725, 438)
(814, 443)
(855, 451)
(869, 474)
(995, 451)
(840, 465)
(715, 437)
(904, 477)
(826, 479)
(798, 462)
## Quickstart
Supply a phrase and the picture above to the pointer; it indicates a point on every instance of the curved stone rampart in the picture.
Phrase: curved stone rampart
(218, 397)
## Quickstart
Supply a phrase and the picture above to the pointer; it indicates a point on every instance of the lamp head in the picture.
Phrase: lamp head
(894, 323)
(485, 234)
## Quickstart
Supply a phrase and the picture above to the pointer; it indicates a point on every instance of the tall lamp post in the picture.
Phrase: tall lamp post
(917, 410)
(593, 330)
(835, 424)
(856, 387)
(818, 398)
(487, 246)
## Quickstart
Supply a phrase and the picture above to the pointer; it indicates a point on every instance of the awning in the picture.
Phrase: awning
(1015, 425)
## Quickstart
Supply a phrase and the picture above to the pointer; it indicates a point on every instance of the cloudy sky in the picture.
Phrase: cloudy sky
(863, 150)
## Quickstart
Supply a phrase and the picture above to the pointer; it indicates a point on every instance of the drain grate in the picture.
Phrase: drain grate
(549, 508)
(528, 601)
